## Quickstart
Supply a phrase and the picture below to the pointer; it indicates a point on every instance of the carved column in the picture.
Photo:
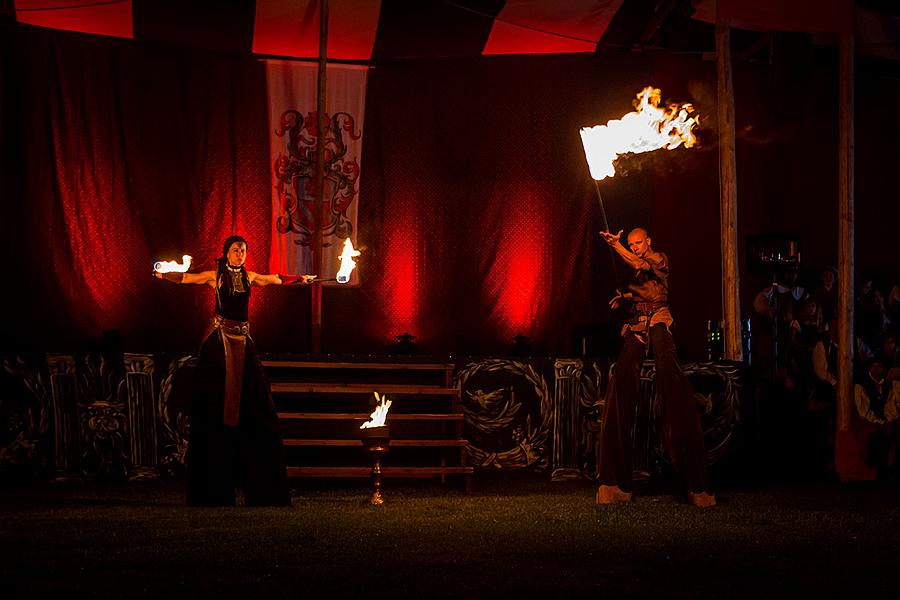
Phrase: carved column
(66, 420)
(141, 404)
(564, 458)
(644, 434)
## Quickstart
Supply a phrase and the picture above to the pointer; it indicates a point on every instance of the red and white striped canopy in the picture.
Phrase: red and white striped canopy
(373, 30)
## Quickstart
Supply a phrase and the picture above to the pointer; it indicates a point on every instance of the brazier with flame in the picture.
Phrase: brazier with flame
(376, 440)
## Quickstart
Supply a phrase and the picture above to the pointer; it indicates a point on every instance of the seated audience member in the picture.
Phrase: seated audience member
(890, 352)
(824, 359)
(822, 402)
(805, 331)
(893, 308)
(775, 306)
(871, 320)
(874, 422)
(825, 294)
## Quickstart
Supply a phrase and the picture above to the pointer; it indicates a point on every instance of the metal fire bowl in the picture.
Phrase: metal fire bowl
(376, 435)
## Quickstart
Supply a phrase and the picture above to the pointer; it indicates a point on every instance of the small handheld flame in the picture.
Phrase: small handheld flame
(648, 128)
(170, 266)
(347, 262)
(378, 417)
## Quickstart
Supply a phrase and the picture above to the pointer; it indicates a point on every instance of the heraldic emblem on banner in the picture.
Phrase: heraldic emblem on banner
(295, 176)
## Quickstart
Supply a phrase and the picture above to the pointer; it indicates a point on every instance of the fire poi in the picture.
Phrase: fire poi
(171, 266)
(347, 263)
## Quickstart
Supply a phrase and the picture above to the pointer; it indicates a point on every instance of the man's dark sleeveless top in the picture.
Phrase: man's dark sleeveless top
(230, 303)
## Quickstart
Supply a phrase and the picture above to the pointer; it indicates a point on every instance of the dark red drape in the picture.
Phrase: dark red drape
(478, 216)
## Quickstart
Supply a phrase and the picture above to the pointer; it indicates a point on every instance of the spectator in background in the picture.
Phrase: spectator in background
(871, 318)
(826, 294)
(890, 353)
(874, 422)
(893, 308)
(805, 331)
(776, 305)
(822, 401)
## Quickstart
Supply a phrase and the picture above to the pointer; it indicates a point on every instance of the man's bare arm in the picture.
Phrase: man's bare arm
(633, 260)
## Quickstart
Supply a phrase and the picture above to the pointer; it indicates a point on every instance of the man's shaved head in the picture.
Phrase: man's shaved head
(639, 241)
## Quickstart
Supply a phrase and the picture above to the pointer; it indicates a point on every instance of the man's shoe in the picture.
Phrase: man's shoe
(701, 499)
(612, 494)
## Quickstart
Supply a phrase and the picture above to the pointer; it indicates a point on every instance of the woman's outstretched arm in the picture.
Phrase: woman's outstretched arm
(201, 278)
(278, 279)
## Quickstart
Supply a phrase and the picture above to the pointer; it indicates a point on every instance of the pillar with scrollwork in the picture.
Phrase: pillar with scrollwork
(141, 416)
(565, 420)
(66, 420)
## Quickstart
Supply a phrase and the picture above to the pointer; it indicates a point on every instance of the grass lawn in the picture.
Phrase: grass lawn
(514, 536)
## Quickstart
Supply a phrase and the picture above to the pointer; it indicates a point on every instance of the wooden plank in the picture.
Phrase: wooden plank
(302, 364)
(366, 472)
(365, 416)
(362, 388)
(393, 443)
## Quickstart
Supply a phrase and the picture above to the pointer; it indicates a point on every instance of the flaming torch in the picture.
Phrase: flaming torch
(347, 263)
(170, 266)
(647, 128)
(376, 440)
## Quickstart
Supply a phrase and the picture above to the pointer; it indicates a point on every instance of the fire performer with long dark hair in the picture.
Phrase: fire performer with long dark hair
(682, 435)
(235, 439)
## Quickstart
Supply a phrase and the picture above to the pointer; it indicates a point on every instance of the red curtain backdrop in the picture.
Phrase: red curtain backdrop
(130, 155)
(480, 216)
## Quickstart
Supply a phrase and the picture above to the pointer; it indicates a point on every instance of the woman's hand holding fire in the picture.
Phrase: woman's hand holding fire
(292, 279)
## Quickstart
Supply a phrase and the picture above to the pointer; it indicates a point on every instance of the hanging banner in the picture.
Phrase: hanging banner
(293, 142)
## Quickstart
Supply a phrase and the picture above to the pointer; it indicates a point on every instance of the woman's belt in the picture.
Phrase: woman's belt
(234, 341)
(235, 327)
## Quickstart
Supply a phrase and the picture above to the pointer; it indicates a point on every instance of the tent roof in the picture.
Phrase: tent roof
(370, 31)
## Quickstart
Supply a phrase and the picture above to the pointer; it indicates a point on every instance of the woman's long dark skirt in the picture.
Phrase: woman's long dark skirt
(221, 458)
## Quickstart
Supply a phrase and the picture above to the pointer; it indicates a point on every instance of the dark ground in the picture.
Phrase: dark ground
(514, 536)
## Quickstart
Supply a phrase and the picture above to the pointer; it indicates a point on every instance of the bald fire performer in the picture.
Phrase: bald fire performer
(651, 324)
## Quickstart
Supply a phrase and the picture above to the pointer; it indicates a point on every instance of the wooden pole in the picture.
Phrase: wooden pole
(321, 104)
(731, 300)
(848, 466)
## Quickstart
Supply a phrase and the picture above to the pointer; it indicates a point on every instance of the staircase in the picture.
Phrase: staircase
(322, 405)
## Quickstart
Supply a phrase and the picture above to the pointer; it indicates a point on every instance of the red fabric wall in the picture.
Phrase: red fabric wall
(478, 215)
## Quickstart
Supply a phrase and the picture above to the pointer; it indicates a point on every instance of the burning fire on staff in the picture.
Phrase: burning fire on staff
(645, 129)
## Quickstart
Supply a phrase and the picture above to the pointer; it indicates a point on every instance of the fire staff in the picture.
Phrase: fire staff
(650, 328)
(235, 439)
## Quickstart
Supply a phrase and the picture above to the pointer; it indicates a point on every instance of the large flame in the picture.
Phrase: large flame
(347, 262)
(170, 266)
(648, 128)
(378, 417)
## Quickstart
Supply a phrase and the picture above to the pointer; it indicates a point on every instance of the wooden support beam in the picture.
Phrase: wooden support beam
(731, 300)
(318, 221)
(848, 464)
